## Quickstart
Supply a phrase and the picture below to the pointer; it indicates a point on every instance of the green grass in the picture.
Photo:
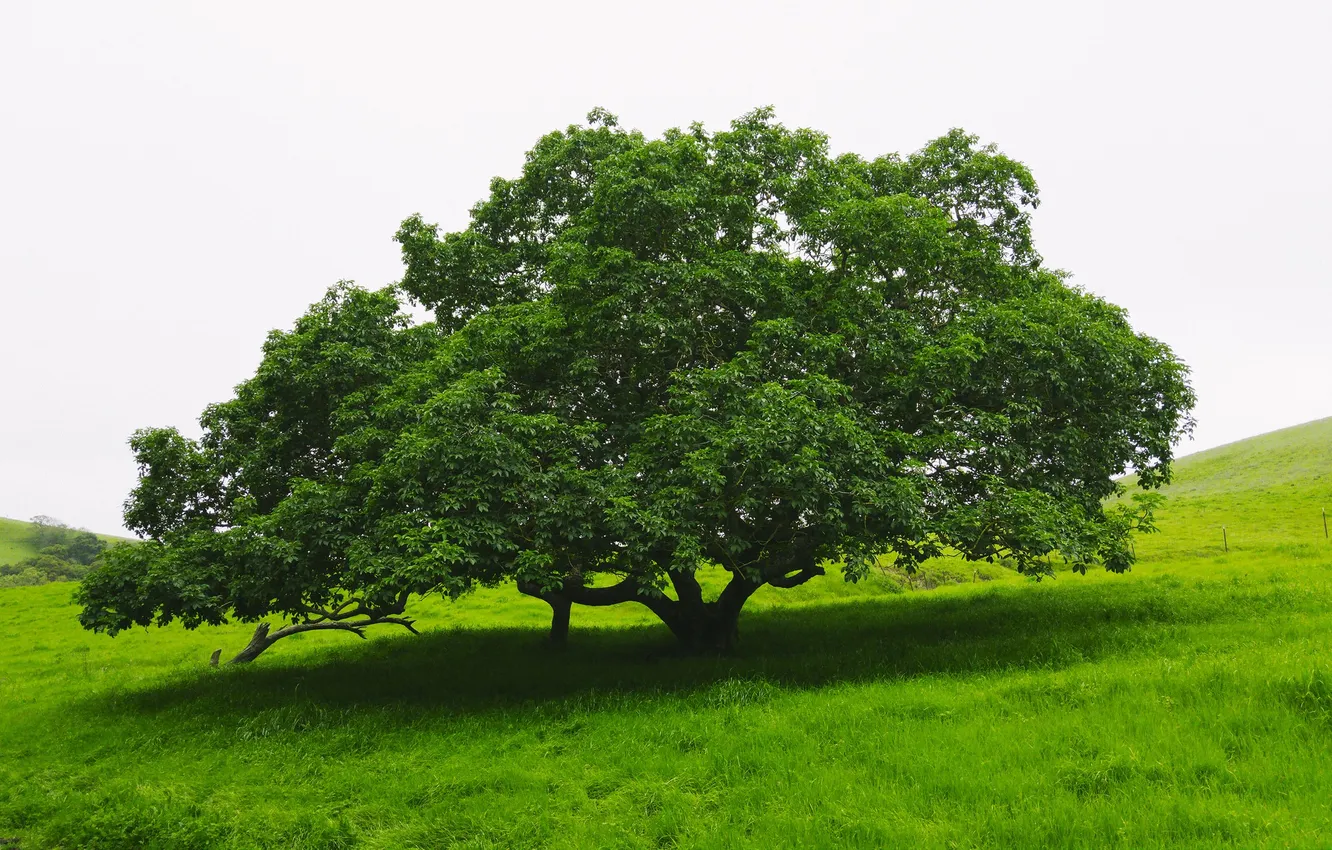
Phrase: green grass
(1187, 704)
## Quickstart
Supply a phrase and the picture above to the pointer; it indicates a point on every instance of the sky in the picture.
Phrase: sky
(178, 178)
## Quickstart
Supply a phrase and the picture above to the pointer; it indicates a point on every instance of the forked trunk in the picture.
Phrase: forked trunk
(701, 627)
(706, 627)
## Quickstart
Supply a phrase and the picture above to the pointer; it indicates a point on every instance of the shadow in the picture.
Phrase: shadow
(502, 670)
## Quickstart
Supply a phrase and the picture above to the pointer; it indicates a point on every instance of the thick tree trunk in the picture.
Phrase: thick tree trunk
(714, 627)
(707, 627)
(559, 621)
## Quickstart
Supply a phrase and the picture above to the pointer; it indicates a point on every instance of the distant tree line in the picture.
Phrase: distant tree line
(63, 554)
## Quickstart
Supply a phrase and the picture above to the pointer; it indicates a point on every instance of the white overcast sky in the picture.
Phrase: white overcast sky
(177, 178)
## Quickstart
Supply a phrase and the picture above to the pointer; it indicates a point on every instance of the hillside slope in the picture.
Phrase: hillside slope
(1268, 493)
(15, 545)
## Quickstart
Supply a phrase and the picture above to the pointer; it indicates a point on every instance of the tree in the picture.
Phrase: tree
(52, 537)
(84, 547)
(723, 348)
(47, 531)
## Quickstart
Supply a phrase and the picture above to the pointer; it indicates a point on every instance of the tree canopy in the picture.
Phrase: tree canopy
(649, 355)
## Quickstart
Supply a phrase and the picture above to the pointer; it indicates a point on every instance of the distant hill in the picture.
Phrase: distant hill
(15, 545)
(1268, 492)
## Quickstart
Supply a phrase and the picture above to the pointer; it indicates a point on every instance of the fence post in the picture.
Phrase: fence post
(1324, 523)
(1224, 540)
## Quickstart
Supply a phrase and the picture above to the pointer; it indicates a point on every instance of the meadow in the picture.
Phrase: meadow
(1185, 704)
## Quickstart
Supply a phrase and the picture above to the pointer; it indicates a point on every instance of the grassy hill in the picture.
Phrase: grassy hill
(1186, 704)
(1268, 493)
(15, 545)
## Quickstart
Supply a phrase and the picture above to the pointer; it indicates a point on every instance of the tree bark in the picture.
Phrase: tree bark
(712, 627)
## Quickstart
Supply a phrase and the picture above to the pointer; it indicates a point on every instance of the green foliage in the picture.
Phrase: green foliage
(49, 536)
(1184, 704)
(52, 537)
(40, 570)
(238, 523)
(651, 356)
(85, 547)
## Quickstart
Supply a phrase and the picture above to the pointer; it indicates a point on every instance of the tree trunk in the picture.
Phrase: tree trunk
(560, 606)
(707, 627)
(701, 627)
(559, 620)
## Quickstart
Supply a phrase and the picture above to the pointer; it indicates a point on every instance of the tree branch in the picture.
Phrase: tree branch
(625, 591)
(262, 639)
(798, 578)
(341, 613)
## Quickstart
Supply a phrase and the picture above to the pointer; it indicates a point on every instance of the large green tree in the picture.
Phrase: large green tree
(726, 348)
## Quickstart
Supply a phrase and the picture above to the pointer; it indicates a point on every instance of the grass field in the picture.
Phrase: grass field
(1187, 704)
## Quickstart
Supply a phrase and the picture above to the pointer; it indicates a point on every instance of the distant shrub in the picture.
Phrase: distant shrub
(84, 547)
(20, 577)
(41, 569)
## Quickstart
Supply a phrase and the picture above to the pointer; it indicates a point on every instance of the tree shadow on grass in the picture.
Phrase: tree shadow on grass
(481, 671)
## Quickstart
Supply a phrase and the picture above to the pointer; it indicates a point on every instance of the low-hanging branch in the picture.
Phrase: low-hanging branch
(363, 609)
(263, 638)
(562, 597)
